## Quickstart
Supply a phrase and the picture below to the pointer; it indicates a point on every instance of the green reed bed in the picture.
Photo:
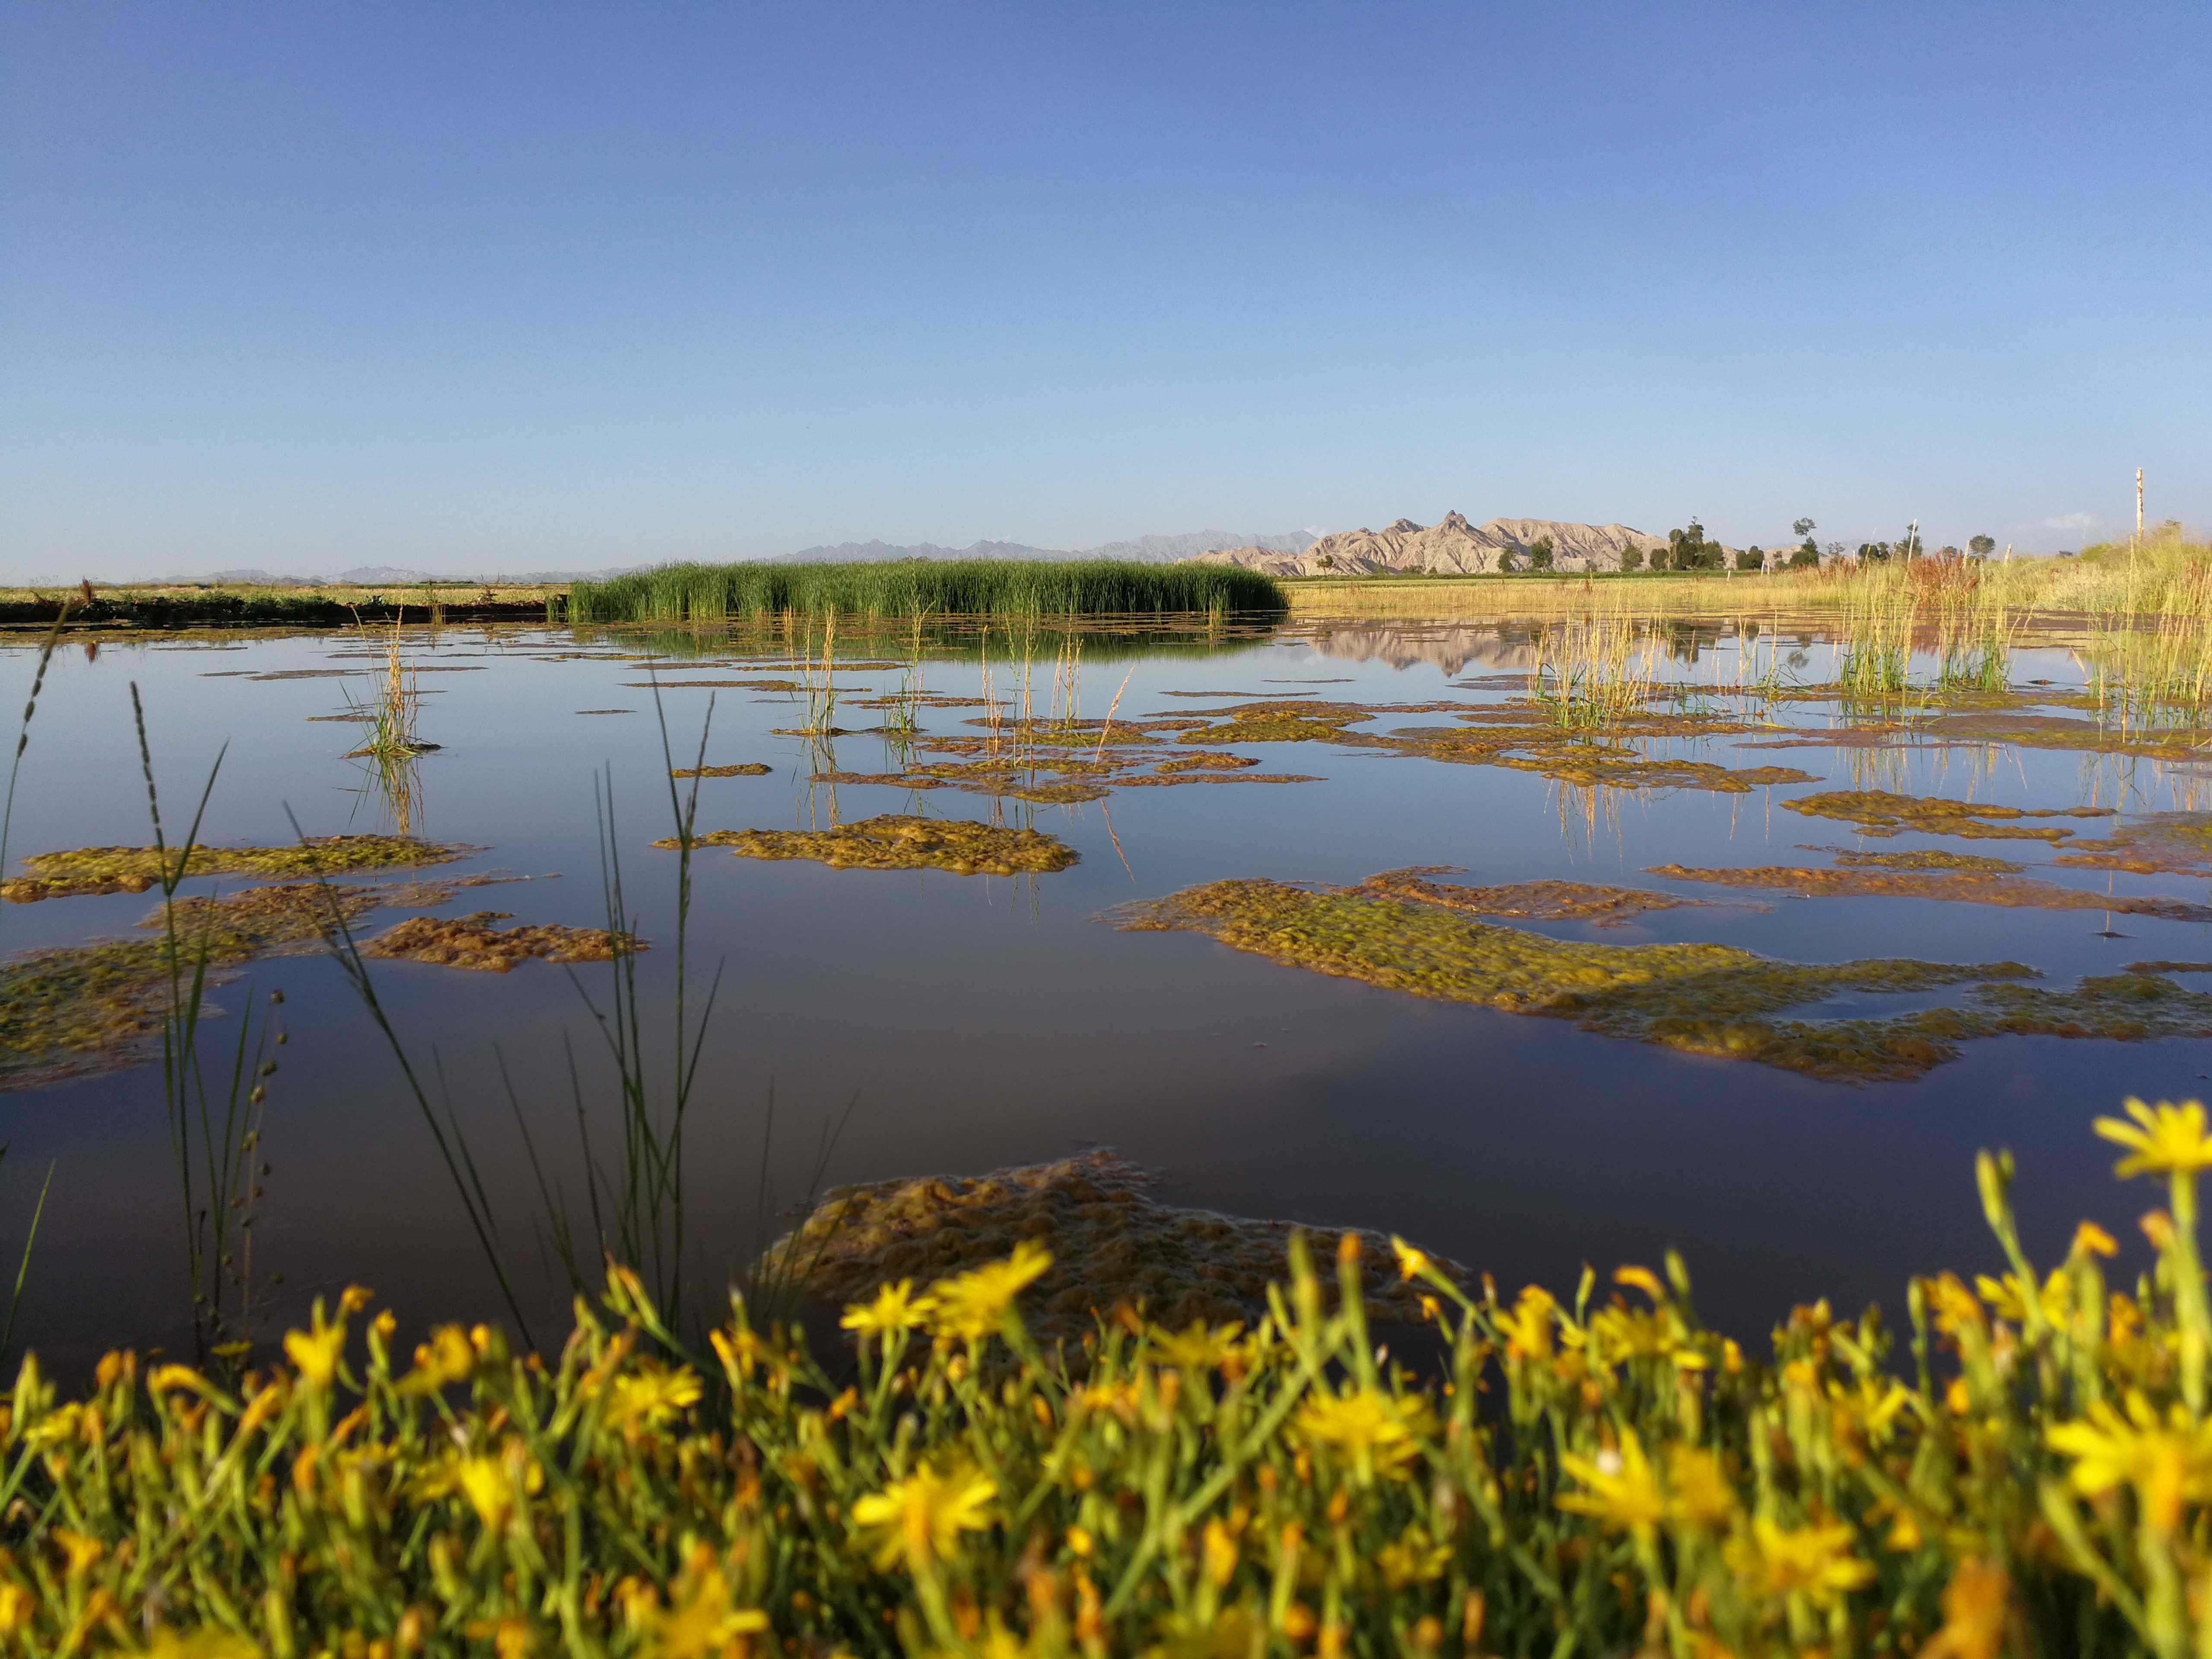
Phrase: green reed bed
(716, 593)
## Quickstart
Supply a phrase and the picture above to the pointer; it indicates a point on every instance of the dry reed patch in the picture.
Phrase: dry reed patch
(1879, 812)
(472, 942)
(901, 841)
(1711, 1000)
(2177, 843)
(1954, 886)
(86, 870)
(1112, 1244)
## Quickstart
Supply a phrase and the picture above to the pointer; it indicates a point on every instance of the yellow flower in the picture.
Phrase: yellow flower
(919, 1519)
(17, 1604)
(700, 1621)
(317, 1354)
(650, 1395)
(974, 1305)
(2168, 1464)
(447, 1356)
(1815, 1562)
(2009, 1302)
(162, 1378)
(1374, 1432)
(1528, 1328)
(80, 1553)
(1411, 1263)
(486, 1481)
(63, 1422)
(1195, 1348)
(2170, 1140)
(1641, 1278)
(1623, 1491)
(896, 1309)
(1698, 1494)
(2090, 1239)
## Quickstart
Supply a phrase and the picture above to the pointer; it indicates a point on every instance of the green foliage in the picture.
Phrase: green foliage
(1599, 1473)
(1631, 558)
(1751, 559)
(916, 587)
(1807, 556)
(1688, 550)
(1981, 546)
(1540, 554)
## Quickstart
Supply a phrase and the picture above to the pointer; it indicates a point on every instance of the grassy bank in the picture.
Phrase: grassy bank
(990, 587)
(2168, 576)
(198, 605)
(1592, 1474)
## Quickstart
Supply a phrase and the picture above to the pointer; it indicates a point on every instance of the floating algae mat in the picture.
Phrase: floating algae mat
(1927, 859)
(746, 769)
(471, 941)
(1702, 999)
(1956, 886)
(2161, 843)
(1530, 900)
(135, 869)
(1111, 1241)
(1878, 813)
(901, 841)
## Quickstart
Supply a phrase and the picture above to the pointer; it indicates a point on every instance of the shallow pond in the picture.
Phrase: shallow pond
(957, 1023)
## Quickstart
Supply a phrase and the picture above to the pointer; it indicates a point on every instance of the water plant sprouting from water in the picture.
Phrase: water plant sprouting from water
(1592, 671)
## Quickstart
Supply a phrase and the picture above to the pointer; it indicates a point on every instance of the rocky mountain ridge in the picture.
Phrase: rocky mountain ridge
(1450, 546)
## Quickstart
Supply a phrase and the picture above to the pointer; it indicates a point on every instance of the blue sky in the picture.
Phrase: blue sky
(501, 286)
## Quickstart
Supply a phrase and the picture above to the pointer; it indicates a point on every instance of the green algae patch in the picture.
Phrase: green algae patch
(2162, 843)
(135, 869)
(1713, 1000)
(1527, 901)
(1204, 762)
(748, 769)
(1637, 772)
(472, 942)
(1926, 859)
(1112, 1244)
(2168, 968)
(1878, 813)
(900, 842)
(1952, 886)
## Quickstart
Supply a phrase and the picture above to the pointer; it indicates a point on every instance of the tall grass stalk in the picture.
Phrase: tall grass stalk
(1591, 671)
(213, 1108)
(992, 587)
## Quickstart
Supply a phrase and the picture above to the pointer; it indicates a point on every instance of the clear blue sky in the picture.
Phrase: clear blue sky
(494, 286)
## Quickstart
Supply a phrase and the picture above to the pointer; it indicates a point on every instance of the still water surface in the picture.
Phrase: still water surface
(959, 1023)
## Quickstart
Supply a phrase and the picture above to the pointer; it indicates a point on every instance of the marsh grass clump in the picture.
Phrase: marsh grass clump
(901, 841)
(88, 870)
(472, 942)
(1592, 671)
(1881, 812)
(925, 588)
(1588, 1470)
(1113, 1245)
(1956, 886)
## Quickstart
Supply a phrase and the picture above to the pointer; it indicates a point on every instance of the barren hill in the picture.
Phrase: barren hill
(1451, 545)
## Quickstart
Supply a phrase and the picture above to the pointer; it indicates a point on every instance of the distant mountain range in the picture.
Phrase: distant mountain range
(1144, 549)
(1453, 546)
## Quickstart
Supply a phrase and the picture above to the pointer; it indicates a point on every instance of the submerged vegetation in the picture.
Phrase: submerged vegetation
(921, 588)
(901, 841)
(1592, 1472)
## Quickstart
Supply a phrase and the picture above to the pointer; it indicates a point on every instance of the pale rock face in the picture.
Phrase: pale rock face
(1450, 546)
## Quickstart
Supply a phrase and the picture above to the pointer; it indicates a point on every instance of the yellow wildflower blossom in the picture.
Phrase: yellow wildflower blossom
(699, 1622)
(2167, 1463)
(1196, 1347)
(973, 1305)
(446, 1357)
(79, 1552)
(1697, 1490)
(2090, 1239)
(1977, 1607)
(207, 1643)
(316, 1354)
(1413, 1558)
(1374, 1432)
(1411, 1263)
(650, 1395)
(896, 1309)
(1814, 1562)
(1624, 1492)
(1528, 1326)
(2008, 1301)
(2164, 1138)
(919, 1520)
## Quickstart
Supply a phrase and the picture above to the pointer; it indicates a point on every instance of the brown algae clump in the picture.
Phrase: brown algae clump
(750, 770)
(2162, 843)
(1530, 900)
(1957, 886)
(471, 941)
(901, 841)
(1928, 859)
(1878, 813)
(135, 869)
(1703, 998)
(1111, 1241)
(1205, 762)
